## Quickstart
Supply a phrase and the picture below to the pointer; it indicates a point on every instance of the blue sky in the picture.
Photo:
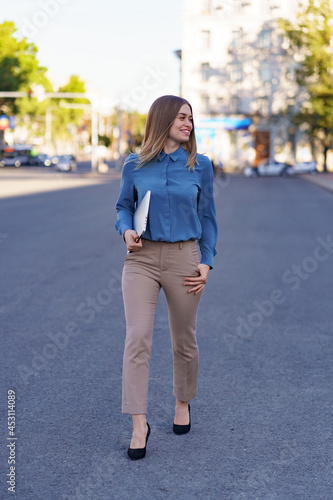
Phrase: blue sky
(122, 49)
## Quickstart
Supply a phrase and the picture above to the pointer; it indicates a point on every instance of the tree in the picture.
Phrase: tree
(134, 127)
(19, 69)
(65, 118)
(311, 45)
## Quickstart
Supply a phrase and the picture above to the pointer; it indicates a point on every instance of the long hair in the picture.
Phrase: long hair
(161, 116)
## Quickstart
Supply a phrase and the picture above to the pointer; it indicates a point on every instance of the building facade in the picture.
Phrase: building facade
(240, 80)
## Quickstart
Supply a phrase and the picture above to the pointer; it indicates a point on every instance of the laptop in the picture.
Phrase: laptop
(141, 215)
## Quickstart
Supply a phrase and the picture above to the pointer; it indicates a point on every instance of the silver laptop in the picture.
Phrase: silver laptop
(141, 215)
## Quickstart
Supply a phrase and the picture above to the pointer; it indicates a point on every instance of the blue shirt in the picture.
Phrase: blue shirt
(181, 203)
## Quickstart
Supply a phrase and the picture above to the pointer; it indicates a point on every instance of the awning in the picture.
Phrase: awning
(228, 123)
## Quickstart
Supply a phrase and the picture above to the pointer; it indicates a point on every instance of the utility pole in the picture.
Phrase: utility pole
(120, 134)
(178, 53)
(94, 127)
(48, 128)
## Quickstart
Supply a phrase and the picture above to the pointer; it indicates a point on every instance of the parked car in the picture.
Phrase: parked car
(41, 160)
(55, 159)
(271, 167)
(65, 164)
(61, 158)
(14, 162)
(73, 162)
(250, 171)
(306, 167)
(14, 156)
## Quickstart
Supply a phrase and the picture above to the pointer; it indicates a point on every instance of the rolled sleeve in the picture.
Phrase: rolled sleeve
(207, 216)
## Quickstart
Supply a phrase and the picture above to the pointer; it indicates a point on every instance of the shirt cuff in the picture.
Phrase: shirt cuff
(207, 259)
(122, 227)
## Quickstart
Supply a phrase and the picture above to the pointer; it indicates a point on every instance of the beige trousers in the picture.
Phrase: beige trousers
(159, 264)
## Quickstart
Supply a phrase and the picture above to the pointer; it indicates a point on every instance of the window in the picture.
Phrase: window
(235, 72)
(291, 109)
(291, 73)
(263, 105)
(291, 106)
(205, 36)
(236, 39)
(234, 104)
(205, 103)
(265, 72)
(205, 71)
(265, 39)
(244, 4)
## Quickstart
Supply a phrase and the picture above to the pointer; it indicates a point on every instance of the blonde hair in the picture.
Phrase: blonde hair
(161, 116)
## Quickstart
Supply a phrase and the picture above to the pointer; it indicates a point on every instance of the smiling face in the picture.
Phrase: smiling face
(182, 126)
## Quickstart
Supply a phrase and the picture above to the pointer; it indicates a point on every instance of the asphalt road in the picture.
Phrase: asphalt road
(262, 420)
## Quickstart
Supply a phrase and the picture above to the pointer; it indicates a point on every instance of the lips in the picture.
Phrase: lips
(186, 132)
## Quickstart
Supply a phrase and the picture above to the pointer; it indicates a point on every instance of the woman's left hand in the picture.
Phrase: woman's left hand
(198, 282)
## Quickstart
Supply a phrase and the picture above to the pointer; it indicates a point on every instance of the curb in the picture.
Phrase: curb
(317, 179)
(100, 175)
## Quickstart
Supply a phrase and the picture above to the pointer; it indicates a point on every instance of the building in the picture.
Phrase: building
(240, 80)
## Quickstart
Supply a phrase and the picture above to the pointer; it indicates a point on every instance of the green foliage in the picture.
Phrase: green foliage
(104, 140)
(19, 69)
(311, 44)
(134, 125)
(65, 119)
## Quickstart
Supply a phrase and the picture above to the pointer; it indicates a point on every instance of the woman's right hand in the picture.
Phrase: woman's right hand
(130, 237)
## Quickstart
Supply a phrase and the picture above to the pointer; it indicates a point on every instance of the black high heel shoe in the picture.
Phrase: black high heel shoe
(183, 429)
(137, 453)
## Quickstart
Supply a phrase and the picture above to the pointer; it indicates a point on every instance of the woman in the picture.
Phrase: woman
(181, 213)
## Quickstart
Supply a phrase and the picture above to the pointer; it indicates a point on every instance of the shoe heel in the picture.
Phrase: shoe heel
(183, 429)
(138, 453)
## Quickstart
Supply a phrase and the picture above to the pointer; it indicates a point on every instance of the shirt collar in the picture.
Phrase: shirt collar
(174, 156)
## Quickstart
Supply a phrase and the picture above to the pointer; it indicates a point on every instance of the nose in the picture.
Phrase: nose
(189, 123)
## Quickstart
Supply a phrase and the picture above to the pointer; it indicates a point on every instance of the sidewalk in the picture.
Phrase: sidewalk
(324, 180)
(33, 181)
